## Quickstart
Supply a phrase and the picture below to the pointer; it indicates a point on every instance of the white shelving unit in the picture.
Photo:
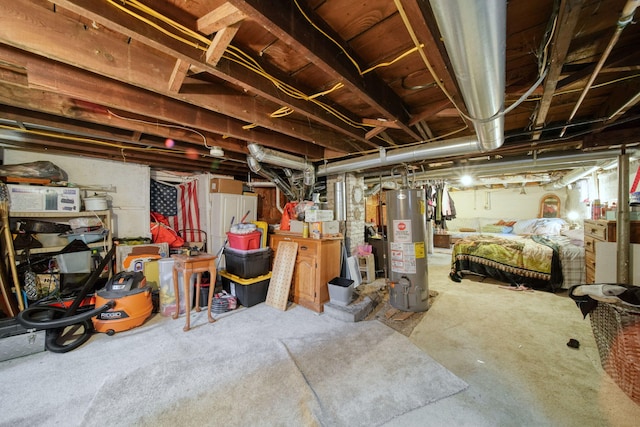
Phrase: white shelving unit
(64, 217)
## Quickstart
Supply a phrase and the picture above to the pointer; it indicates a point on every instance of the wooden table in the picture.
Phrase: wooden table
(188, 265)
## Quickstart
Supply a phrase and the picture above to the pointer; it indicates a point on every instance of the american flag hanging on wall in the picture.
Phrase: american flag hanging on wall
(187, 221)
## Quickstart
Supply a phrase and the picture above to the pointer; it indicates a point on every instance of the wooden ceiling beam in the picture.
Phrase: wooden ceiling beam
(220, 42)
(565, 28)
(104, 14)
(225, 22)
(287, 24)
(61, 112)
(148, 71)
(164, 160)
(183, 139)
(430, 111)
(57, 77)
(178, 75)
(221, 17)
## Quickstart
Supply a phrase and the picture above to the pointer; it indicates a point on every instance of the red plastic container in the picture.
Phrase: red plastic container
(244, 241)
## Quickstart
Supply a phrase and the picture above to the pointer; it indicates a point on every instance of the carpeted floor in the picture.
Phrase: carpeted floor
(255, 366)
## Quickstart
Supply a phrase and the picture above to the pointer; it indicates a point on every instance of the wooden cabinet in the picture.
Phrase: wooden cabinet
(442, 240)
(602, 231)
(317, 262)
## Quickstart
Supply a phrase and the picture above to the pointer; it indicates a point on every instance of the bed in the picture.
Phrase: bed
(534, 258)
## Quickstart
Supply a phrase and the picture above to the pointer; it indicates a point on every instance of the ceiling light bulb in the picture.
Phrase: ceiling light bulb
(466, 180)
(216, 152)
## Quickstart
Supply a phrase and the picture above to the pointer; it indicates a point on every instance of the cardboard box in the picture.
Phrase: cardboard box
(296, 226)
(222, 185)
(330, 228)
(37, 198)
(318, 215)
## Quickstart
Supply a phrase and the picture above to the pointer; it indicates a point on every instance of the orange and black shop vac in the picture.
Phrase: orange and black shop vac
(123, 303)
(132, 298)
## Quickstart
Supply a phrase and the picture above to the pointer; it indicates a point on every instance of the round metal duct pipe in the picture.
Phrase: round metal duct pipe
(272, 157)
(433, 150)
(474, 35)
(267, 173)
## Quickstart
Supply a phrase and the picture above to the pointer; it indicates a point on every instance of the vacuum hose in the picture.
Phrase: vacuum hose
(32, 317)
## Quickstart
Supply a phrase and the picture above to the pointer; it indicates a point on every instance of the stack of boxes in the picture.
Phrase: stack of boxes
(247, 273)
(321, 223)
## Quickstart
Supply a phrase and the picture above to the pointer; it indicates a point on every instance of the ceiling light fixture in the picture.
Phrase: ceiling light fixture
(216, 151)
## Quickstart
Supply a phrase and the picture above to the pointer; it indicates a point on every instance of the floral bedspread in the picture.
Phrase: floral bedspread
(530, 258)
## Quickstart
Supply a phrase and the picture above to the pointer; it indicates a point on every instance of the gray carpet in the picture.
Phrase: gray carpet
(256, 366)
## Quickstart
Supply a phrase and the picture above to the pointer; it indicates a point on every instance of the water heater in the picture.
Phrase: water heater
(406, 236)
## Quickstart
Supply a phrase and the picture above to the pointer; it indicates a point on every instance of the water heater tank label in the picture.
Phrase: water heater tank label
(403, 258)
(402, 230)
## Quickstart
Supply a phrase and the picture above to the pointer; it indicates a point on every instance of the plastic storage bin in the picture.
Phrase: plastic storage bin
(341, 291)
(74, 262)
(167, 292)
(248, 291)
(244, 241)
(247, 264)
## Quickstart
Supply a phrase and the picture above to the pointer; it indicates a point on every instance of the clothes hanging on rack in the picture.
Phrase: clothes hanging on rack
(440, 203)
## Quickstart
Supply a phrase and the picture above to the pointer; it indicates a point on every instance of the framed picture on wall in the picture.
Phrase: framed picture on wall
(549, 206)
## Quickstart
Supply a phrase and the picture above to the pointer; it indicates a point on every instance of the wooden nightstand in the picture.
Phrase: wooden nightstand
(442, 240)
(602, 231)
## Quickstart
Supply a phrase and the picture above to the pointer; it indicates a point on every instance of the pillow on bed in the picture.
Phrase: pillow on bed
(576, 236)
(548, 226)
(506, 223)
(493, 228)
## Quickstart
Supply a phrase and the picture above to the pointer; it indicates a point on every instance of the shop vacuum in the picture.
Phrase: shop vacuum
(125, 302)
(132, 303)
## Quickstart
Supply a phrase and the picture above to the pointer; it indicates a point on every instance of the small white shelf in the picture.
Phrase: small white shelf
(61, 216)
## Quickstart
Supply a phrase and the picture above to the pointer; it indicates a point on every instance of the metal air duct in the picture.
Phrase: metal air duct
(266, 155)
(272, 157)
(571, 177)
(474, 34)
(519, 165)
(267, 173)
(454, 147)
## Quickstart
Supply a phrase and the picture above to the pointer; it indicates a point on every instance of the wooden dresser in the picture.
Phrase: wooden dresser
(602, 231)
(317, 262)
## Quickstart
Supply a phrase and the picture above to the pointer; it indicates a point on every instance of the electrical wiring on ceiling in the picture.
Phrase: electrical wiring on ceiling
(599, 85)
(88, 140)
(237, 55)
(167, 125)
(438, 81)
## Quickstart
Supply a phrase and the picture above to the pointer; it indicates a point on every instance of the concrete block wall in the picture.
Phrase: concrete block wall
(356, 209)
